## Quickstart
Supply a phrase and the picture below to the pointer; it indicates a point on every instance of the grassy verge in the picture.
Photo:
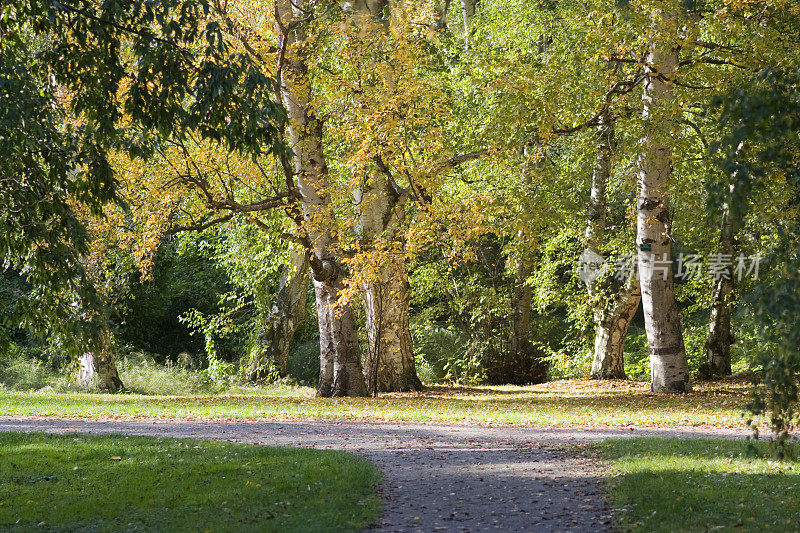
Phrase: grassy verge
(560, 403)
(701, 485)
(118, 483)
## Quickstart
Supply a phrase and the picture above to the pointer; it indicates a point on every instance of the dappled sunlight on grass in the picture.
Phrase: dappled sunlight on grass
(559, 403)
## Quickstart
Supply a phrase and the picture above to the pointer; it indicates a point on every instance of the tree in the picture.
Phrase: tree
(91, 79)
(614, 303)
(761, 145)
(341, 372)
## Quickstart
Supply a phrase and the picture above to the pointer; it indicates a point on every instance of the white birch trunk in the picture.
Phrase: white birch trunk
(340, 357)
(468, 14)
(612, 312)
(611, 328)
(97, 369)
(390, 364)
(669, 368)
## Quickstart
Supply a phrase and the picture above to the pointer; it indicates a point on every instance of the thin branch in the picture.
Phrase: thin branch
(698, 131)
(199, 226)
(464, 158)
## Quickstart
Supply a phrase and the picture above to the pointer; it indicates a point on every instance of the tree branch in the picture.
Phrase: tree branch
(200, 226)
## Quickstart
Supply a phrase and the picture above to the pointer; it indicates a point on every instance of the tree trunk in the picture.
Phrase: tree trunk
(669, 368)
(528, 362)
(390, 365)
(720, 338)
(441, 7)
(611, 328)
(340, 358)
(468, 14)
(612, 312)
(97, 369)
(287, 314)
(340, 372)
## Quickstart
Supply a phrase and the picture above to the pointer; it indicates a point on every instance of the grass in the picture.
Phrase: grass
(559, 403)
(673, 485)
(118, 483)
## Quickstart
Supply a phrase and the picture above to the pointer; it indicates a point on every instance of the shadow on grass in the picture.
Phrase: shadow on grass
(702, 485)
(119, 483)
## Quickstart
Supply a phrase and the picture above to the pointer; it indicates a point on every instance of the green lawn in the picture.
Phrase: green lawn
(701, 485)
(117, 483)
(560, 403)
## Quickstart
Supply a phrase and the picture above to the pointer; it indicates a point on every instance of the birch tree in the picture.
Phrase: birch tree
(341, 371)
(669, 368)
(613, 306)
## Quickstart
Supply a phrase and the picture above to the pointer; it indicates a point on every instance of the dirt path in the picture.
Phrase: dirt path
(437, 477)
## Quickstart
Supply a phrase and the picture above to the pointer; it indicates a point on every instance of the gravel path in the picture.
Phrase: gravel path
(437, 477)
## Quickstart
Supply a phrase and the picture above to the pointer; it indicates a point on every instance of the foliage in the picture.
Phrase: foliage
(762, 144)
(709, 484)
(122, 483)
(81, 80)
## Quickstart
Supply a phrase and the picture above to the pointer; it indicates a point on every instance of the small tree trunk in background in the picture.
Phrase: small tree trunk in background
(287, 314)
(525, 364)
(441, 7)
(340, 358)
(669, 368)
(97, 369)
(612, 313)
(528, 362)
(720, 338)
(468, 14)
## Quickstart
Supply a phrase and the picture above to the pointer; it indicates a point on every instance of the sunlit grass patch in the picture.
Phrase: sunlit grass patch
(701, 485)
(120, 483)
(564, 403)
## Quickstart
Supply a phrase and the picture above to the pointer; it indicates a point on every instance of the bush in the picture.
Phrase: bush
(442, 354)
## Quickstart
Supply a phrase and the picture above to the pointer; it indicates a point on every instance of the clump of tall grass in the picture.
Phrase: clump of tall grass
(142, 375)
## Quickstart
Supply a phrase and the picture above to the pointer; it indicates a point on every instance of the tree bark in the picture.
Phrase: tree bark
(441, 7)
(528, 362)
(611, 328)
(288, 312)
(669, 368)
(720, 338)
(468, 14)
(340, 358)
(340, 372)
(612, 312)
(390, 364)
(97, 368)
